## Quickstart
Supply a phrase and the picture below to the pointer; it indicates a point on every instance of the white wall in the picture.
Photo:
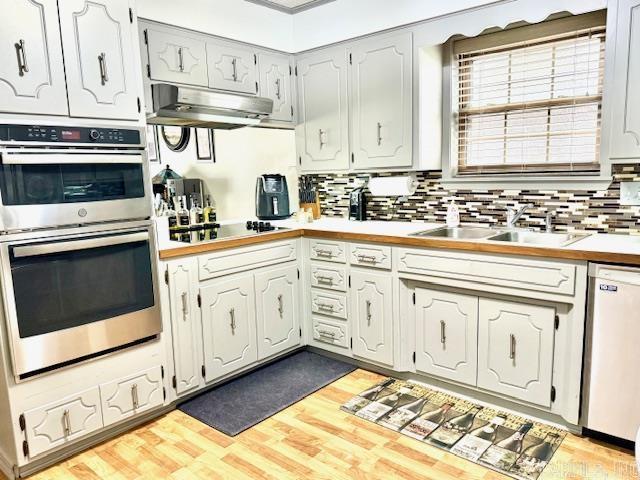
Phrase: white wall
(241, 156)
(234, 19)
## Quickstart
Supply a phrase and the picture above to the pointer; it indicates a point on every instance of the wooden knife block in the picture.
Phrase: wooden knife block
(315, 208)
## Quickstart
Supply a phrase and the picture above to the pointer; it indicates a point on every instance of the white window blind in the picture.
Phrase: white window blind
(529, 99)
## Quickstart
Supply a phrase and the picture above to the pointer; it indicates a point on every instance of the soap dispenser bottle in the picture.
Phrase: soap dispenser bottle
(453, 215)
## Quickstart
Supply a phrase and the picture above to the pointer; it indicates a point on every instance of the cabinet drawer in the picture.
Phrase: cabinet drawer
(226, 262)
(375, 256)
(505, 271)
(132, 395)
(328, 251)
(63, 421)
(332, 277)
(332, 332)
(327, 303)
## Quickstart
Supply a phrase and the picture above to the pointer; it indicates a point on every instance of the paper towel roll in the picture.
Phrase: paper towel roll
(399, 186)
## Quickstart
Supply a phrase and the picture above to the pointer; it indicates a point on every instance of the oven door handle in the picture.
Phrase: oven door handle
(8, 157)
(71, 245)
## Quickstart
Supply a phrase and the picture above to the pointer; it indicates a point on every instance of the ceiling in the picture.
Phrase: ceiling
(290, 6)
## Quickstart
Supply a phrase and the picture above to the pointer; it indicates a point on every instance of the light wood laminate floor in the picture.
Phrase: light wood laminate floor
(312, 439)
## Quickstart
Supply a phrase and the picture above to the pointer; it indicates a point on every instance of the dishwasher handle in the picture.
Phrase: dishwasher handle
(608, 273)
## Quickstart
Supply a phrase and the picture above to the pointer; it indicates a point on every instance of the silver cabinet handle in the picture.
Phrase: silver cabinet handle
(322, 137)
(22, 58)
(235, 69)
(185, 308)
(443, 333)
(325, 280)
(180, 59)
(379, 134)
(134, 395)
(66, 423)
(367, 258)
(512, 346)
(324, 333)
(324, 253)
(232, 315)
(369, 313)
(278, 93)
(102, 62)
(325, 306)
(280, 306)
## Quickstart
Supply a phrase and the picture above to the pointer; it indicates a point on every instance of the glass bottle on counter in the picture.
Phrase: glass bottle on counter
(209, 211)
(183, 215)
(171, 215)
(193, 212)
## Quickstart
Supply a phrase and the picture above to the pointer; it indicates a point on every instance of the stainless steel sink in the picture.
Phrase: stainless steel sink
(458, 233)
(538, 238)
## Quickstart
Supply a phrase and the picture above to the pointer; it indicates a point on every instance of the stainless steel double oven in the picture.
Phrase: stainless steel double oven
(77, 252)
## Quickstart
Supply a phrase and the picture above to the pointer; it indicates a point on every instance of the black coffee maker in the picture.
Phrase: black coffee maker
(358, 204)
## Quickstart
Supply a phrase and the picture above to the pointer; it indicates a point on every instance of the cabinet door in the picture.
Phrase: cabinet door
(625, 98)
(277, 310)
(132, 395)
(99, 51)
(323, 133)
(382, 102)
(62, 421)
(447, 334)
(372, 316)
(31, 69)
(183, 281)
(176, 58)
(275, 83)
(232, 67)
(228, 325)
(515, 349)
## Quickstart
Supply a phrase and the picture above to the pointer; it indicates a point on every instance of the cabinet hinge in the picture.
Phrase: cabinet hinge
(296, 70)
(204, 371)
(130, 16)
(414, 357)
(414, 298)
(351, 342)
(256, 87)
(350, 60)
(174, 382)
(290, 70)
(22, 422)
(25, 448)
(292, 111)
(349, 278)
(553, 394)
(148, 71)
(166, 276)
(199, 300)
(139, 106)
(164, 393)
(300, 160)
(301, 333)
(298, 273)
(556, 323)
(161, 371)
(146, 37)
(353, 158)
(255, 59)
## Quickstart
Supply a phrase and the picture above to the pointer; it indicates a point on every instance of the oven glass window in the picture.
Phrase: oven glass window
(69, 183)
(68, 289)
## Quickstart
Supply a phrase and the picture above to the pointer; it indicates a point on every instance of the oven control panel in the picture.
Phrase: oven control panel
(60, 134)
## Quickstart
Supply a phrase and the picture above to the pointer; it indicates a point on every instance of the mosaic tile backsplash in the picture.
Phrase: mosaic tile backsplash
(574, 211)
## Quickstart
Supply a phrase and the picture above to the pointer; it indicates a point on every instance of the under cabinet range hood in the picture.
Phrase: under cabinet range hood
(195, 107)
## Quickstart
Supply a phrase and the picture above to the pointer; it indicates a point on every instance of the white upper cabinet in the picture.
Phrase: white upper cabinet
(382, 101)
(31, 68)
(232, 67)
(372, 316)
(623, 92)
(515, 349)
(447, 334)
(102, 75)
(323, 133)
(176, 57)
(275, 83)
(228, 325)
(277, 310)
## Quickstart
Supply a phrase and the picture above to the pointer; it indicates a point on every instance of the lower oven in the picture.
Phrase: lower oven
(68, 297)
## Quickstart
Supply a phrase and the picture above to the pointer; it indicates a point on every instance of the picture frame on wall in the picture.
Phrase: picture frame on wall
(205, 151)
(152, 144)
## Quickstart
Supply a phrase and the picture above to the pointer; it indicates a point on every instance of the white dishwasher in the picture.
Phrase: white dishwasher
(612, 355)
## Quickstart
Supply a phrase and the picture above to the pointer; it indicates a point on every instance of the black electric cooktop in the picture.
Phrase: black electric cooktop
(206, 232)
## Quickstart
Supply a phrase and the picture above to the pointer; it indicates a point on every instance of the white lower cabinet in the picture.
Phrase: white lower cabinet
(228, 325)
(278, 319)
(447, 334)
(132, 395)
(515, 349)
(372, 316)
(62, 421)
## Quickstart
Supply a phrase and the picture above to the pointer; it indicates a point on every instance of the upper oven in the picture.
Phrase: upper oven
(58, 176)
(73, 295)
